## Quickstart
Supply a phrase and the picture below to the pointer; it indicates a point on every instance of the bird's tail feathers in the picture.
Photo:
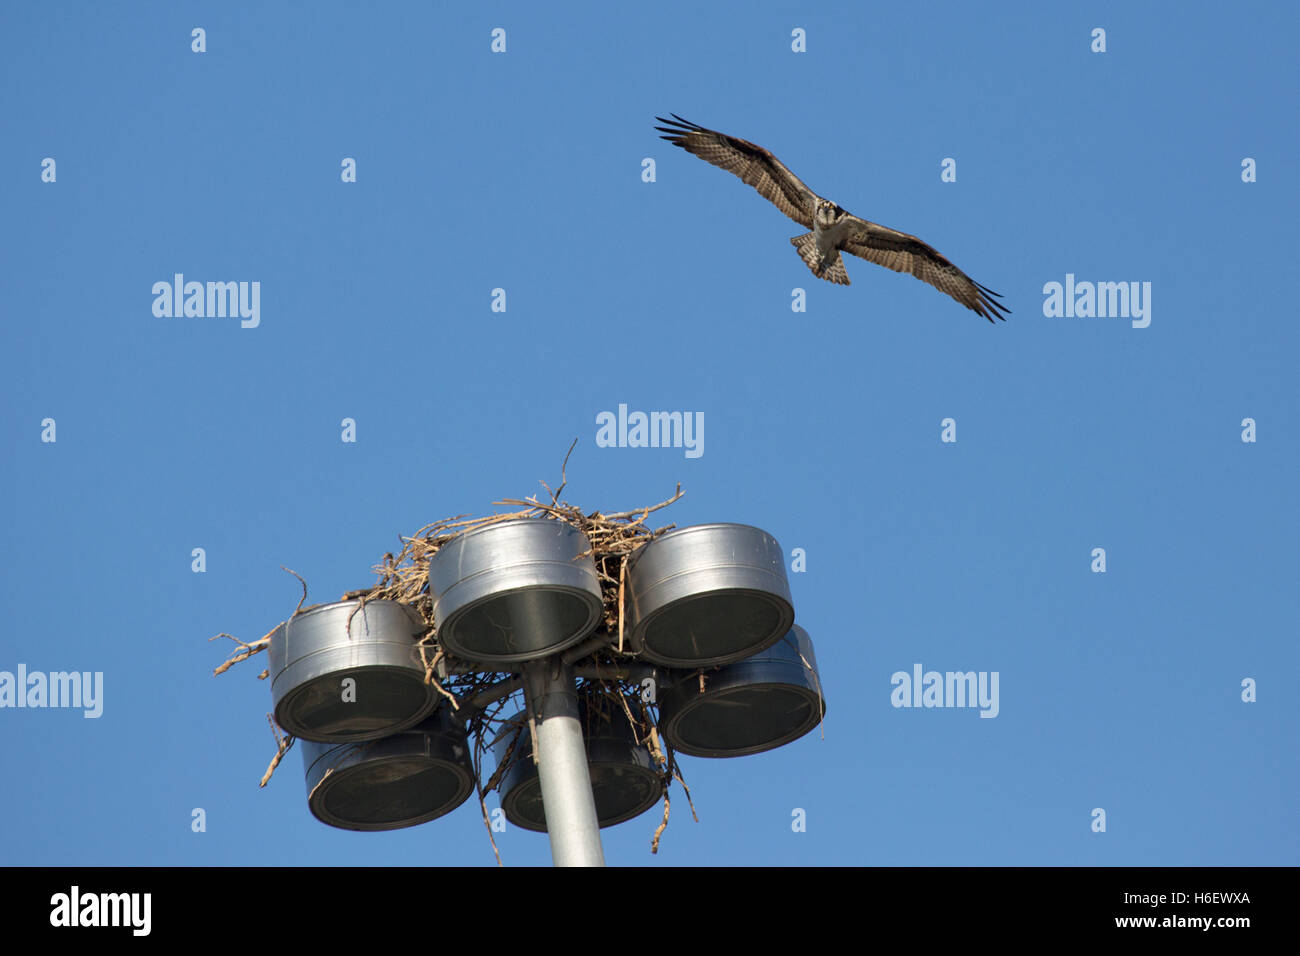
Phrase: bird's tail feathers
(831, 267)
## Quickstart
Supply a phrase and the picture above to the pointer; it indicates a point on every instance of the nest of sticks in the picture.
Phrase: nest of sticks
(481, 697)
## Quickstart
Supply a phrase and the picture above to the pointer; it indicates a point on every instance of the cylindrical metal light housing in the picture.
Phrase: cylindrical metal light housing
(706, 595)
(514, 591)
(757, 704)
(344, 672)
(623, 778)
(398, 781)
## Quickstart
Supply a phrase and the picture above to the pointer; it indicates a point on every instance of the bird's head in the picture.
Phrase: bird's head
(828, 214)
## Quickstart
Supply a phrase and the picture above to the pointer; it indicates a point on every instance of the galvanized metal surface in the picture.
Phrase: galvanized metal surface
(561, 767)
(757, 704)
(624, 782)
(707, 595)
(514, 591)
(312, 654)
(398, 781)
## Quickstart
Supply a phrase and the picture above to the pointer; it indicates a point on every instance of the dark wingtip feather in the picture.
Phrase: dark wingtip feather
(994, 309)
(990, 307)
(679, 125)
(675, 130)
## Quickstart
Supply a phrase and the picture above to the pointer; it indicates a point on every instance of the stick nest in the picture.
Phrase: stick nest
(404, 577)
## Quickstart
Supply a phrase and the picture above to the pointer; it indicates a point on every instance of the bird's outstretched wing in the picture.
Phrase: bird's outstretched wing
(749, 161)
(903, 253)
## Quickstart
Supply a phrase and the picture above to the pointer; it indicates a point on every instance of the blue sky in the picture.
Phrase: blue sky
(522, 171)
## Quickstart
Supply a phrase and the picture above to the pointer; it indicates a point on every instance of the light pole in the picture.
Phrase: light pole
(551, 697)
(704, 612)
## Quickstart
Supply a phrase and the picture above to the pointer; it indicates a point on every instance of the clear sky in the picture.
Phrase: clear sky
(523, 171)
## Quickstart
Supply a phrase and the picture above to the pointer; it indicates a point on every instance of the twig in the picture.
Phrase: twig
(564, 474)
(304, 587)
(677, 775)
(282, 747)
(659, 831)
(622, 573)
(663, 504)
(821, 699)
(487, 822)
(429, 678)
(248, 650)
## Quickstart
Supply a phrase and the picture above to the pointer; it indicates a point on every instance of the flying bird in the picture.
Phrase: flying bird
(833, 229)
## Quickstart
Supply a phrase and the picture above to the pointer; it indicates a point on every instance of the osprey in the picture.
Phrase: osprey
(833, 229)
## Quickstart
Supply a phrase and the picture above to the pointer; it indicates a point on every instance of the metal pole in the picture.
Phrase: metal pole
(552, 700)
